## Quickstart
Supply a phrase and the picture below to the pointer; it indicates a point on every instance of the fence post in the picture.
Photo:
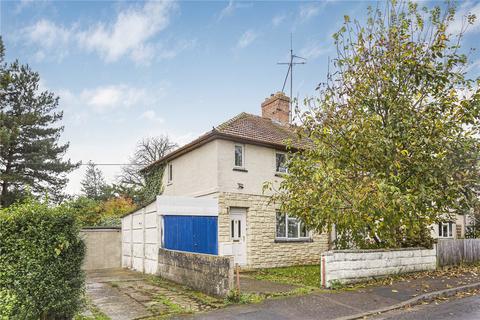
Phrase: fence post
(238, 276)
(324, 272)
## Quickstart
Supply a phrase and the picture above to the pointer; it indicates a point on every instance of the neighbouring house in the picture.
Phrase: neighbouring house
(456, 228)
(229, 166)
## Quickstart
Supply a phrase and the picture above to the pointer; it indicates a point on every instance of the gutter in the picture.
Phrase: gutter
(210, 136)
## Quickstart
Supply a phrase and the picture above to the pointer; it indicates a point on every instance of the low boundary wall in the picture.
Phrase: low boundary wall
(203, 272)
(104, 248)
(349, 266)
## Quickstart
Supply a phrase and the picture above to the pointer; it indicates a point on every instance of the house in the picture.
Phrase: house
(455, 228)
(230, 164)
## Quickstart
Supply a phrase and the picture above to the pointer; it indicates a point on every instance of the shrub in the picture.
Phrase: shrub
(41, 254)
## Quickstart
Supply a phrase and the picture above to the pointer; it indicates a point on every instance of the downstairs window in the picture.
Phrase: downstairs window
(290, 227)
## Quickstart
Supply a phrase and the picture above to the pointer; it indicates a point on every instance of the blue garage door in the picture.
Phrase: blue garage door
(191, 233)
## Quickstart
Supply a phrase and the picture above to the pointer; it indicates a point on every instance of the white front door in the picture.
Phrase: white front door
(238, 234)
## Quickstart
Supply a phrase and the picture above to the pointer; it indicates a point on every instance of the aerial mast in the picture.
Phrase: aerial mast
(290, 64)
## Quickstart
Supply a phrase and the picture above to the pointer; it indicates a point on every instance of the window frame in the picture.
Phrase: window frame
(299, 223)
(170, 172)
(242, 146)
(285, 164)
(449, 226)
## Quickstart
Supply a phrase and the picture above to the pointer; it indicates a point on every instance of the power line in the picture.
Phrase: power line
(112, 164)
(95, 164)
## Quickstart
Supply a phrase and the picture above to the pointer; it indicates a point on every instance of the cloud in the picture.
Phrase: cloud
(310, 10)
(278, 19)
(107, 98)
(231, 7)
(103, 99)
(458, 25)
(151, 115)
(228, 10)
(131, 34)
(48, 37)
(24, 4)
(313, 50)
(132, 29)
(246, 39)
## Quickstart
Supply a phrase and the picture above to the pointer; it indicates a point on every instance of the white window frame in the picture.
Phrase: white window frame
(286, 237)
(449, 226)
(243, 156)
(170, 173)
(286, 167)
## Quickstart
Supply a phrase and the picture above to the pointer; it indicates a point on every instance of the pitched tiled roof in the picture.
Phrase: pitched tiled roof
(246, 128)
(256, 128)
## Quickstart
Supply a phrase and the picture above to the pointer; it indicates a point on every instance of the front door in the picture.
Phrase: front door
(238, 228)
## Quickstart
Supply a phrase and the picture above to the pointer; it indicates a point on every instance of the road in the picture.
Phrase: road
(467, 308)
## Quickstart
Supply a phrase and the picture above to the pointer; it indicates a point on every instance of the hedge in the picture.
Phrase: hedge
(41, 254)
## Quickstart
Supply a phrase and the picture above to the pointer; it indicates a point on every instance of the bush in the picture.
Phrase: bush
(41, 254)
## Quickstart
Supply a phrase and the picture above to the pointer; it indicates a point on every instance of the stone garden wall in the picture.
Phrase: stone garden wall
(203, 272)
(348, 266)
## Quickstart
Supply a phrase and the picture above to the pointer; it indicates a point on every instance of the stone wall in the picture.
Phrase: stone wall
(263, 251)
(349, 266)
(203, 272)
(103, 248)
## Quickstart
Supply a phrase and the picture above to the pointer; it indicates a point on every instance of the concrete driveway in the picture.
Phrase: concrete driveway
(121, 294)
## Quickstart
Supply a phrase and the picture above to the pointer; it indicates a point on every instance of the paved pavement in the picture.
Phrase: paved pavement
(125, 295)
(459, 309)
(336, 304)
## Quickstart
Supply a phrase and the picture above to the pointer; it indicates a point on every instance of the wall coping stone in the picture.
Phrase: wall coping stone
(331, 252)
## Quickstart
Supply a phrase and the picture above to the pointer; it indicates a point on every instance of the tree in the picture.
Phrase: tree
(90, 212)
(30, 152)
(93, 184)
(113, 209)
(144, 186)
(87, 211)
(393, 134)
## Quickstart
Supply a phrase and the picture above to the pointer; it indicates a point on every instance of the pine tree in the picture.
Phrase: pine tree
(30, 152)
(93, 184)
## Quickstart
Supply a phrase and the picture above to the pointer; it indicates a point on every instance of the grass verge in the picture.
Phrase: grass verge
(308, 276)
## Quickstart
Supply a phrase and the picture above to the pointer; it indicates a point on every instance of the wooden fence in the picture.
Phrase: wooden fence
(454, 252)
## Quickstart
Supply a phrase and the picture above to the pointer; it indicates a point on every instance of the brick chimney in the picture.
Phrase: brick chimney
(277, 108)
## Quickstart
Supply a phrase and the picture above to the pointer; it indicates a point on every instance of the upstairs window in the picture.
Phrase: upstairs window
(281, 162)
(290, 227)
(170, 172)
(445, 230)
(239, 155)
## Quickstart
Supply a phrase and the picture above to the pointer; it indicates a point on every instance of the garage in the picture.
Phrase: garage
(175, 223)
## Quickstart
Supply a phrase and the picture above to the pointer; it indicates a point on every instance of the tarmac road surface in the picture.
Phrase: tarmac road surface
(467, 308)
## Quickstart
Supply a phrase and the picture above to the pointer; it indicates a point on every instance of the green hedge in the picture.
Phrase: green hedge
(41, 254)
